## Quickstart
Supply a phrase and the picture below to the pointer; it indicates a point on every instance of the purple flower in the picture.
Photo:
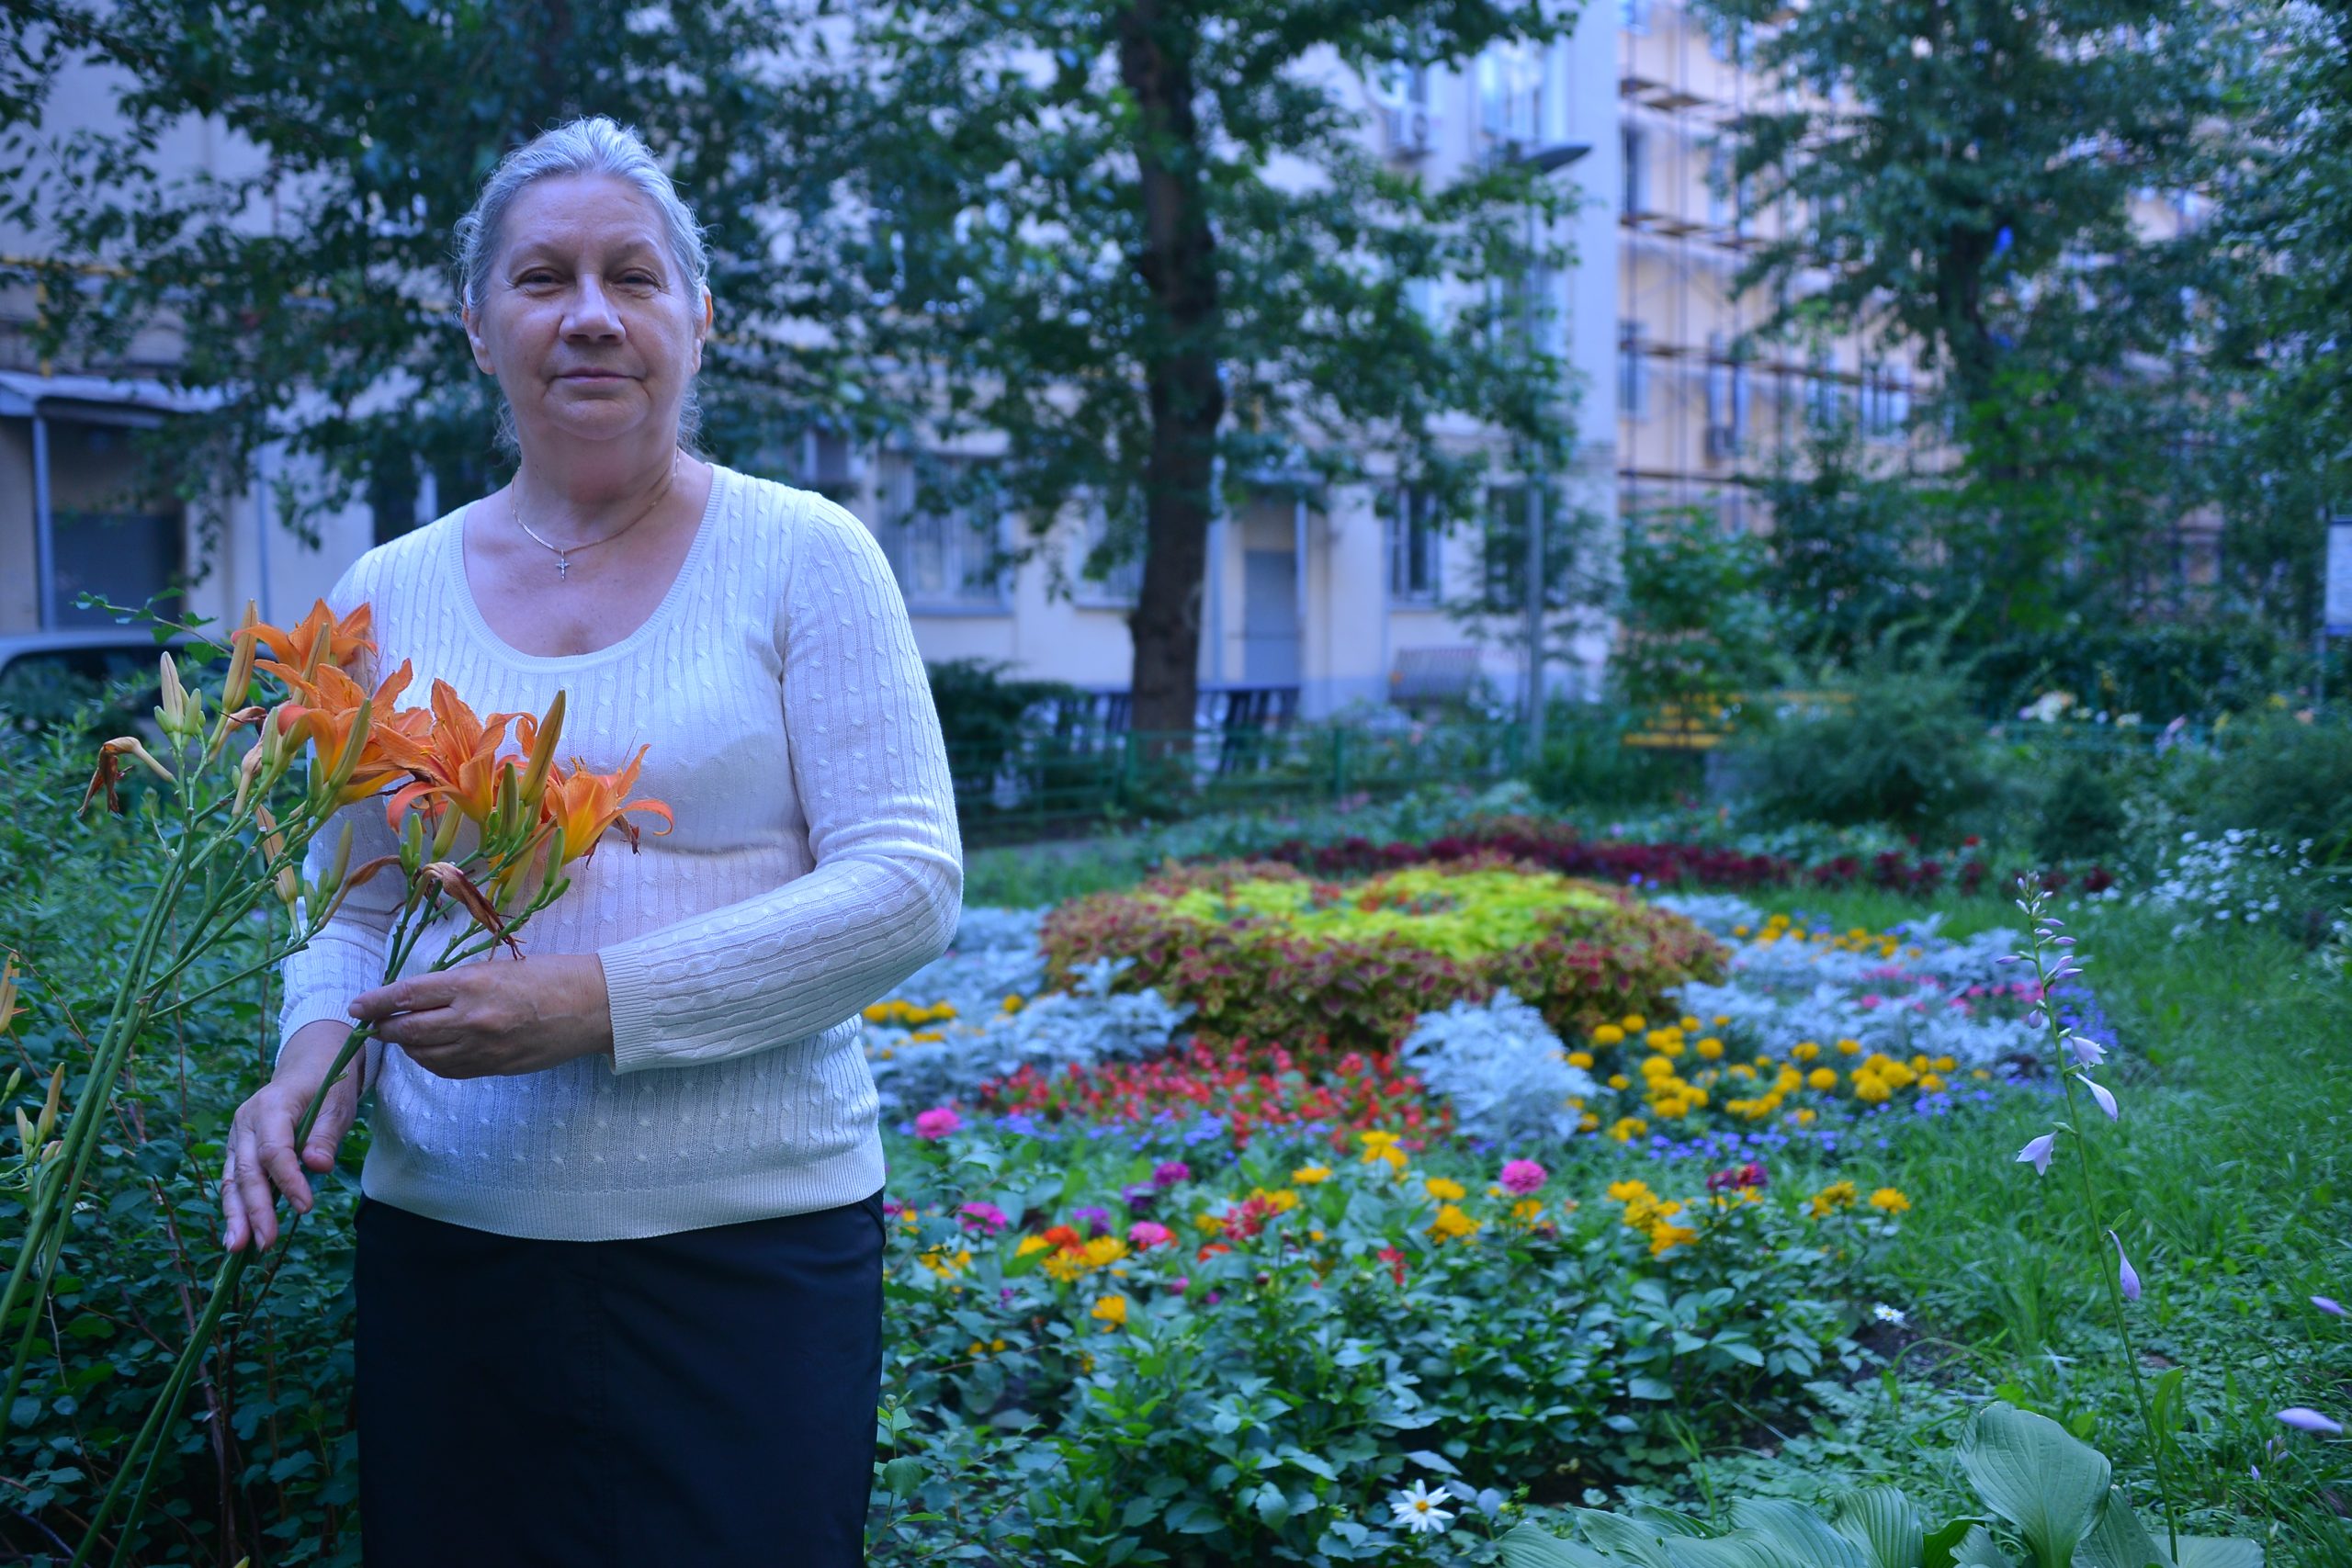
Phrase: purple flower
(2105, 1100)
(2038, 1151)
(2329, 1305)
(1096, 1221)
(1138, 1195)
(2127, 1275)
(2088, 1052)
(1167, 1173)
(2308, 1420)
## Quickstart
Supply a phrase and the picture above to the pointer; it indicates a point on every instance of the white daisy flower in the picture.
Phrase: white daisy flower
(1886, 1314)
(1419, 1509)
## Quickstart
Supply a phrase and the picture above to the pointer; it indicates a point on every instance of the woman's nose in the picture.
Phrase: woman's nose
(591, 313)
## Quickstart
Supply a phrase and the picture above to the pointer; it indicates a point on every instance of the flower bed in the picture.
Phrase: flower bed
(1264, 954)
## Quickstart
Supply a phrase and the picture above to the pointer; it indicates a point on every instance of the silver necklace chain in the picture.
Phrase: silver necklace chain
(563, 553)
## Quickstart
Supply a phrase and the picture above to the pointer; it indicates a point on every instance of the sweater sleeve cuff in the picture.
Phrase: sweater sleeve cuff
(628, 995)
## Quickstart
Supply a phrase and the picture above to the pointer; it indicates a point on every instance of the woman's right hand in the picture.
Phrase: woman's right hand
(262, 1161)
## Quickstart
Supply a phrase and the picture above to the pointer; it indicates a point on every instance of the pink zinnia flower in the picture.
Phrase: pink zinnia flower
(1145, 1234)
(937, 1122)
(1521, 1177)
(985, 1217)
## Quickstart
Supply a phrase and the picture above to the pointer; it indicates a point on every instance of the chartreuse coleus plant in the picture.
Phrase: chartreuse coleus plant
(2050, 1501)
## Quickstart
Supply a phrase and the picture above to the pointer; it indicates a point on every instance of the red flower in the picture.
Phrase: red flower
(1396, 1261)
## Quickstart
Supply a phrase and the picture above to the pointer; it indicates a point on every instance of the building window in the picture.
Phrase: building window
(1637, 171)
(1825, 398)
(1120, 584)
(1414, 544)
(1632, 372)
(942, 546)
(1634, 16)
(1511, 92)
(1886, 404)
(1726, 399)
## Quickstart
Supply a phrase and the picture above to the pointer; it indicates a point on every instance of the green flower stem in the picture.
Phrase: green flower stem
(2109, 1268)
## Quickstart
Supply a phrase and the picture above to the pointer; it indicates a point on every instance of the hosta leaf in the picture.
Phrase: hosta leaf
(2032, 1473)
(1882, 1520)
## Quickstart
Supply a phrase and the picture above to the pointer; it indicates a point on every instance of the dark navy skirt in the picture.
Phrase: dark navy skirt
(702, 1400)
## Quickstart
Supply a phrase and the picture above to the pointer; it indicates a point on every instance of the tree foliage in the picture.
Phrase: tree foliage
(1143, 249)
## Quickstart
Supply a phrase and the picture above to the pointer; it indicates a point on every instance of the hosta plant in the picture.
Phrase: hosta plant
(2048, 1502)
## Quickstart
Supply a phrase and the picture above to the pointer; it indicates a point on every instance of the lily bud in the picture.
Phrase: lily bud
(8, 1000)
(363, 722)
(48, 1123)
(444, 833)
(550, 729)
(240, 661)
(288, 884)
(273, 842)
(333, 880)
(412, 846)
(249, 769)
(172, 713)
(24, 1139)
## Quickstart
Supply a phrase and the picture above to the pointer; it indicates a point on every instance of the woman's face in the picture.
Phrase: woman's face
(592, 327)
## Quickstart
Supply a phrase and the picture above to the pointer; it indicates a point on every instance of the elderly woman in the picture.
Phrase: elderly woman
(619, 1256)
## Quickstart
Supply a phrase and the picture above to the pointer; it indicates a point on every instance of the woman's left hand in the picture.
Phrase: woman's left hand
(492, 1019)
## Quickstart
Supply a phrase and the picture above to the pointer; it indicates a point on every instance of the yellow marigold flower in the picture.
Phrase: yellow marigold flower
(1871, 1090)
(1739, 931)
(1104, 1251)
(1012, 1004)
(1668, 1236)
(1451, 1222)
(942, 1262)
(1111, 1310)
(1626, 1129)
(1310, 1175)
(1805, 1118)
(1064, 1267)
(1580, 1058)
(1213, 1223)
(1619, 1081)
(1982, 1074)
(1931, 1084)
(1836, 1196)
(1632, 1023)
(1804, 1050)
(1822, 1078)
(1889, 1201)
(1627, 1190)
(1608, 1034)
(1281, 1200)
(1943, 1064)
(1588, 1122)
(1444, 1190)
(1849, 1047)
(1689, 1024)
(1710, 1049)
(1527, 1210)
(1029, 1244)
(1656, 1068)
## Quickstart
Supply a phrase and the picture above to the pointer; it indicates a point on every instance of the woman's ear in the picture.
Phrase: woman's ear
(474, 340)
(703, 336)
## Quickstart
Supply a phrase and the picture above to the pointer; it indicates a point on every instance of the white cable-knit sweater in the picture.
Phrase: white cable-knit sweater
(814, 865)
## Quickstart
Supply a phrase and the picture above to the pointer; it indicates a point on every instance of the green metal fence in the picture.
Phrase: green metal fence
(1048, 784)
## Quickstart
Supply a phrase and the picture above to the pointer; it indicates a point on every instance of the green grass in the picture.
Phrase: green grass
(2229, 1179)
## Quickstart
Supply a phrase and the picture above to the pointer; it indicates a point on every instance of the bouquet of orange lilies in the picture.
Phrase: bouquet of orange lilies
(483, 828)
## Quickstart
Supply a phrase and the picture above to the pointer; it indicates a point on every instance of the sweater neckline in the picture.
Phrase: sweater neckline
(454, 557)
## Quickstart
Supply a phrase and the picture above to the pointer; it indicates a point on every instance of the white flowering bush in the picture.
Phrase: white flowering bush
(2236, 877)
(977, 1014)
(1506, 1073)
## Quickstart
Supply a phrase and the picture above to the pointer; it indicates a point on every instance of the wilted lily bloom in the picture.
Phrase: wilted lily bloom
(452, 879)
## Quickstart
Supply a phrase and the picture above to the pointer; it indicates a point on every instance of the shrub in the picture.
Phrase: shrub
(2081, 816)
(1902, 748)
(1266, 955)
(2286, 779)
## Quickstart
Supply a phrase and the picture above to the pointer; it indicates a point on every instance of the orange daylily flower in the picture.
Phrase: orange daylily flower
(318, 640)
(584, 804)
(457, 765)
(326, 707)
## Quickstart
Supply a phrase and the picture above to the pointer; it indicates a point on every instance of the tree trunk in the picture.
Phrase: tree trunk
(1187, 400)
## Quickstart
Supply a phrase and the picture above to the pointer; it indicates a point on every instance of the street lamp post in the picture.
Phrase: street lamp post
(1543, 161)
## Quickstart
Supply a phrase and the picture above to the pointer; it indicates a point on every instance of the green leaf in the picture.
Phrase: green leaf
(1622, 1537)
(1526, 1547)
(1882, 1520)
(903, 1475)
(2218, 1552)
(2033, 1475)
(1942, 1542)
(1794, 1531)
(1978, 1550)
(1649, 1388)
(2119, 1539)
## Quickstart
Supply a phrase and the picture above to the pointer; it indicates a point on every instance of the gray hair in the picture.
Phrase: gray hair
(594, 145)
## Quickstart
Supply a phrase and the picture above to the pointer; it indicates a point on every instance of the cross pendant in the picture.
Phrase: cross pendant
(564, 569)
